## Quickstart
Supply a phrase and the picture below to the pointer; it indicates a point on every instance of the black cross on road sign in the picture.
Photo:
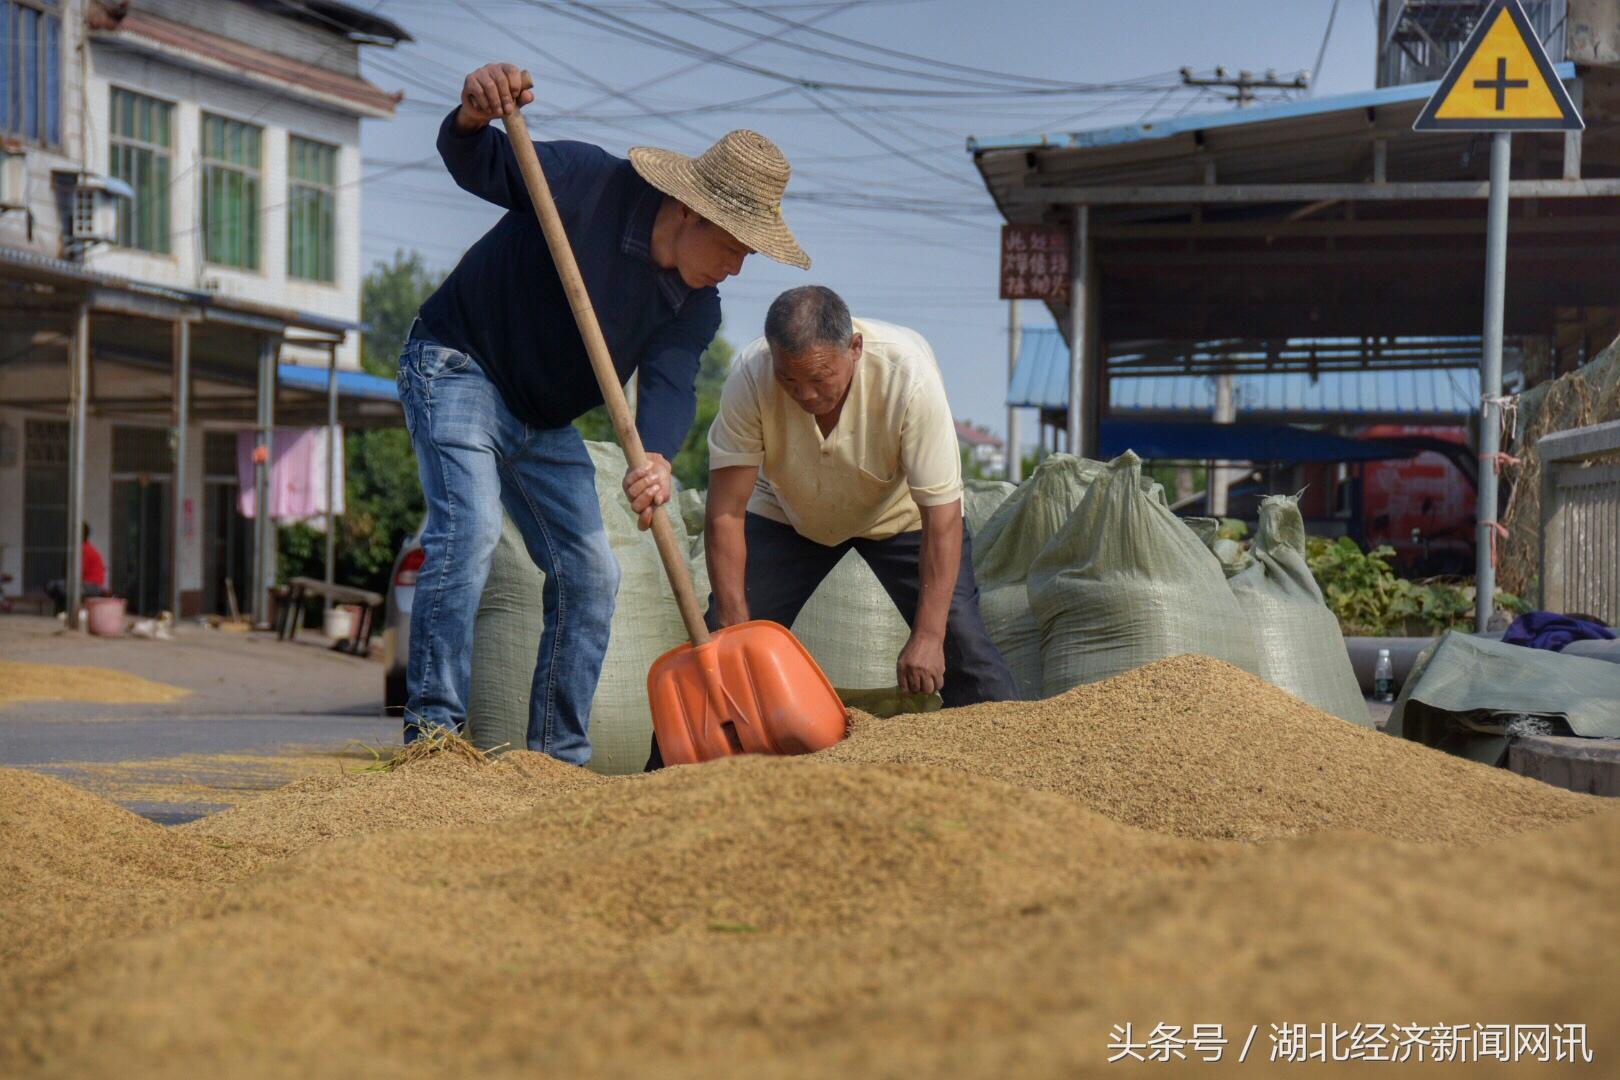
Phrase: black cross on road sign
(1501, 84)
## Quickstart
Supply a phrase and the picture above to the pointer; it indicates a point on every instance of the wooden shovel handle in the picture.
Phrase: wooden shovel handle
(607, 377)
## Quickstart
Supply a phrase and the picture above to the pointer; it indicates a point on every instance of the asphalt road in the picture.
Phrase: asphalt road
(249, 695)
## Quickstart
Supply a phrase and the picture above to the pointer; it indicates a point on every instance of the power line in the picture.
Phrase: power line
(606, 21)
(812, 50)
(1316, 68)
(765, 12)
(830, 10)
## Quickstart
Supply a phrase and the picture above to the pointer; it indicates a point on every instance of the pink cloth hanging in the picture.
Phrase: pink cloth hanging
(298, 475)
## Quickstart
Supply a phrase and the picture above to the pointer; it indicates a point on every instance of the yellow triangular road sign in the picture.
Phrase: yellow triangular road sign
(1501, 81)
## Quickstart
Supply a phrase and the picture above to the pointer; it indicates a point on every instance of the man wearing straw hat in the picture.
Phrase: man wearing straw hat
(495, 373)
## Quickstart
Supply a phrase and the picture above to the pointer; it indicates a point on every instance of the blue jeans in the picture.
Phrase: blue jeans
(475, 457)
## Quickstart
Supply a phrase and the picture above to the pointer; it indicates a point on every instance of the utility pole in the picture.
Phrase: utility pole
(1244, 84)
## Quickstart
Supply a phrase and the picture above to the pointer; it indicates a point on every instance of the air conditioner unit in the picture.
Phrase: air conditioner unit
(91, 208)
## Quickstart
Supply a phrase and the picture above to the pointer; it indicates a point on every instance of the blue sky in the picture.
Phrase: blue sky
(926, 257)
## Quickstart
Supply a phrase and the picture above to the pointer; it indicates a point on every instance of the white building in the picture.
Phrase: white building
(179, 220)
(983, 447)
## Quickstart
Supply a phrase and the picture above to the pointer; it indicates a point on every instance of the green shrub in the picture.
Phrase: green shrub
(1362, 589)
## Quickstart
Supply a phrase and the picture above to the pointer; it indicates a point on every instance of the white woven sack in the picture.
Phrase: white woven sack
(1300, 646)
(506, 641)
(1234, 560)
(646, 624)
(980, 499)
(1006, 546)
(852, 628)
(1126, 582)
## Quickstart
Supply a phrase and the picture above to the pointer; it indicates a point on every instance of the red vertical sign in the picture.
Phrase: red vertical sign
(1035, 263)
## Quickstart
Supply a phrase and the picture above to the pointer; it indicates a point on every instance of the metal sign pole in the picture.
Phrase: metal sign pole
(1015, 461)
(1490, 380)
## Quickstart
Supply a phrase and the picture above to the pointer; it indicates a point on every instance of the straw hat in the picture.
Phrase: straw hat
(737, 183)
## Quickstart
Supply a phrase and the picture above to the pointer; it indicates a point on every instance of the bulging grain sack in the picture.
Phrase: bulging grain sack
(852, 628)
(506, 641)
(980, 499)
(646, 624)
(1299, 645)
(1007, 545)
(1234, 560)
(1125, 582)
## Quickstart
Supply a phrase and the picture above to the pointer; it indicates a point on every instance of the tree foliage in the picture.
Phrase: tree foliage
(691, 463)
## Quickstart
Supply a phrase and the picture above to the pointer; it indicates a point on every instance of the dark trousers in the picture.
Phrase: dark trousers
(784, 569)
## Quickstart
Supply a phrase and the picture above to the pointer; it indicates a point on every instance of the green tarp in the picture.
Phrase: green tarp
(1470, 695)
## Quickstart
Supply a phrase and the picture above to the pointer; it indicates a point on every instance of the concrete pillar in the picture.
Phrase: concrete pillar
(78, 418)
(332, 451)
(1015, 461)
(182, 420)
(1220, 475)
(264, 530)
(1081, 311)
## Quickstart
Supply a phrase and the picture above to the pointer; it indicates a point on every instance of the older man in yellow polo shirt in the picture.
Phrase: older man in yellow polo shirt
(834, 433)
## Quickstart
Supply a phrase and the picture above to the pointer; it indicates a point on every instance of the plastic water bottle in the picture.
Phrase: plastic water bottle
(1384, 677)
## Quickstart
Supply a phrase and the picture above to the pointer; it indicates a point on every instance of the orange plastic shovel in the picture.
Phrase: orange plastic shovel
(746, 689)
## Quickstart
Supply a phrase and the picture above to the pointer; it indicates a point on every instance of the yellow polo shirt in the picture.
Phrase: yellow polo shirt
(893, 449)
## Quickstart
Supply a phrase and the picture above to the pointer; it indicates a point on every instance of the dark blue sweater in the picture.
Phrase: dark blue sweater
(504, 303)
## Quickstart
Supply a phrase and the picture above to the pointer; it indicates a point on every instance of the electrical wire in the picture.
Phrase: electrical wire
(1321, 52)
(764, 11)
(631, 31)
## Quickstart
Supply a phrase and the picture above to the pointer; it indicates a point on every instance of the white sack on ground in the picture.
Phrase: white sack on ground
(646, 624)
(1298, 640)
(1126, 582)
(1007, 545)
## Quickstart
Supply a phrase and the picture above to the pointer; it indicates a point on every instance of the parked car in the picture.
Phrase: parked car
(397, 621)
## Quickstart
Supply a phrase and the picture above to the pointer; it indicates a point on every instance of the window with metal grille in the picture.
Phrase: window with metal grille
(137, 450)
(219, 455)
(230, 191)
(45, 510)
(140, 150)
(31, 70)
(311, 209)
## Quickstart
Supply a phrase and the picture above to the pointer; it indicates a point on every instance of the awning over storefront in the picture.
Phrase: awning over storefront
(1159, 441)
(1445, 395)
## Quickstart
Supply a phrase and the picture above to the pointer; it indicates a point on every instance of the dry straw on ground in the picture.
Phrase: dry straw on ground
(62, 682)
(938, 896)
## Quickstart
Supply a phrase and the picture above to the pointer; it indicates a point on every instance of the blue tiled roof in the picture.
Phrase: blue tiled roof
(1041, 380)
(350, 383)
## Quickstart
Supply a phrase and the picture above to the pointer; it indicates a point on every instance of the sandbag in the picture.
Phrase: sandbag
(1125, 582)
(646, 624)
(1297, 639)
(1006, 546)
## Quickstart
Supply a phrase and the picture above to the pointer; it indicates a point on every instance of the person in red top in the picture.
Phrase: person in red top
(95, 576)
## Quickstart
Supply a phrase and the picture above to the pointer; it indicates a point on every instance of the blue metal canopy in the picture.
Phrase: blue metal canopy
(352, 384)
(1154, 440)
(1041, 381)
